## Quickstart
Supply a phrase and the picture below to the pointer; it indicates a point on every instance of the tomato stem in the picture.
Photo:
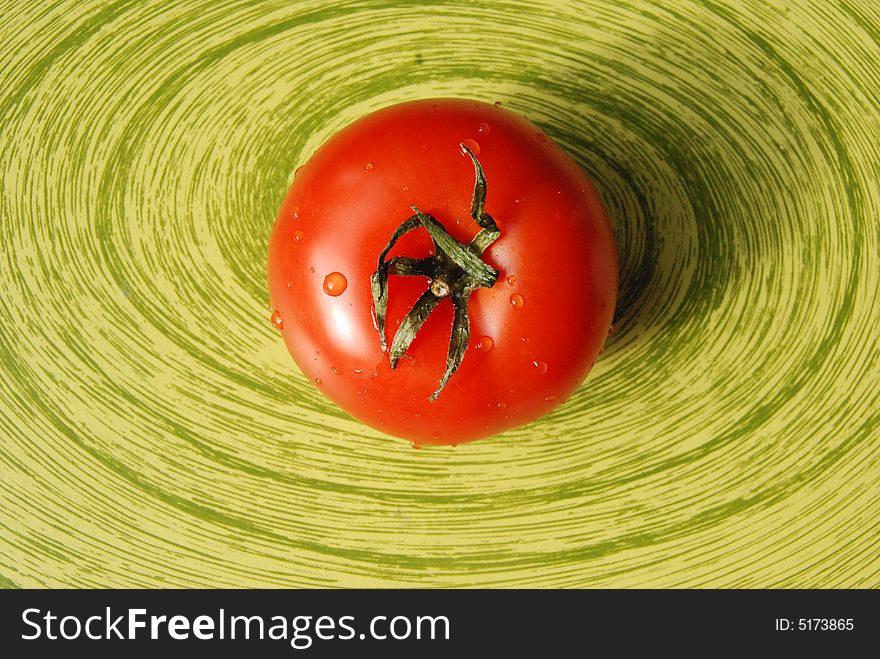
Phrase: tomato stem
(440, 288)
(455, 270)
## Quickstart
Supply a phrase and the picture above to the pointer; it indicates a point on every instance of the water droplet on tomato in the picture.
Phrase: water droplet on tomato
(610, 330)
(540, 366)
(416, 415)
(485, 344)
(358, 370)
(312, 270)
(501, 406)
(541, 137)
(511, 279)
(319, 381)
(516, 301)
(294, 212)
(335, 284)
(277, 320)
(335, 370)
(483, 129)
(497, 104)
(549, 399)
(415, 445)
(298, 170)
(405, 188)
(524, 339)
(298, 236)
(368, 167)
(472, 145)
(585, 188)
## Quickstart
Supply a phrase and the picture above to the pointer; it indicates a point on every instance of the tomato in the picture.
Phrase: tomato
(534, 330)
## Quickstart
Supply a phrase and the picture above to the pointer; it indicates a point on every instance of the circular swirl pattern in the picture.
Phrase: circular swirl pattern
(156, 433)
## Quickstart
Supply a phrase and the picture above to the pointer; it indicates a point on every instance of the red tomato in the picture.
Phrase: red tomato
(534, 334)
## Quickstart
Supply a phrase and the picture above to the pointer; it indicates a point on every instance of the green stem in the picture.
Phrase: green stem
(456, 270)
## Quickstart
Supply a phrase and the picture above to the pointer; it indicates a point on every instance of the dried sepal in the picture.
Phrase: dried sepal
(455, 270)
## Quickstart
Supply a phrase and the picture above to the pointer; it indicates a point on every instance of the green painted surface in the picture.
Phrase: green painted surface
(155, 432)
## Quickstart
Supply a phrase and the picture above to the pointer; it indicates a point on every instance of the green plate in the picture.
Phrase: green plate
(155, 432)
